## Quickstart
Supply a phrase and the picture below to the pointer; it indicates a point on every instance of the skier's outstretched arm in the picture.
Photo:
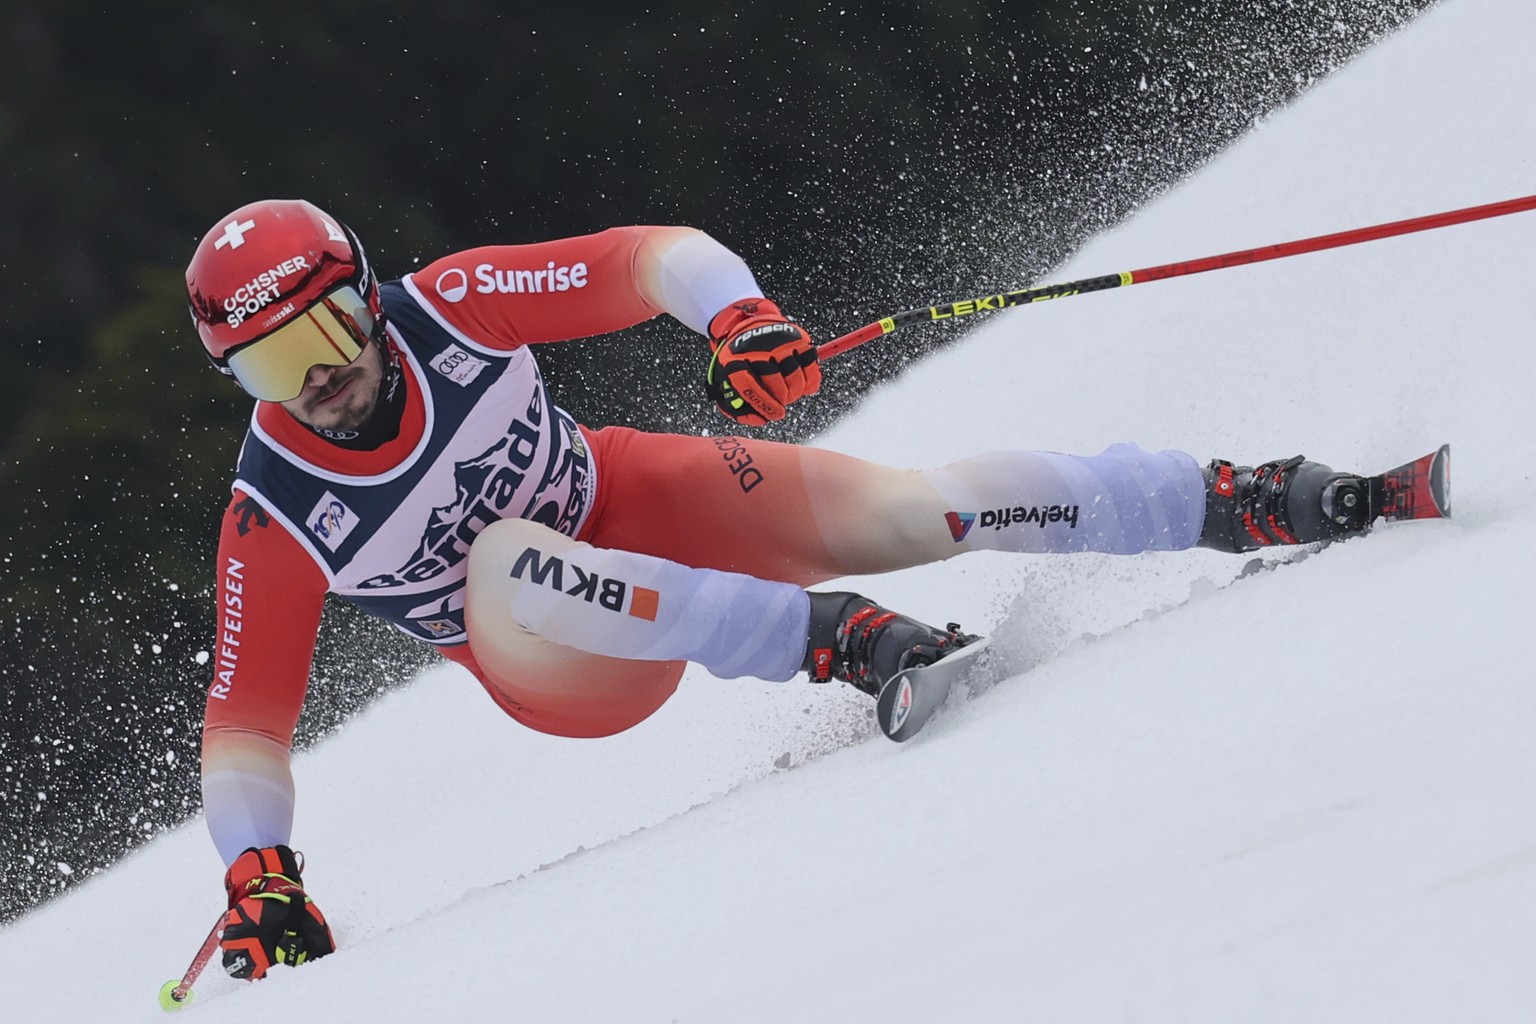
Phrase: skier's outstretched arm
(270, 595)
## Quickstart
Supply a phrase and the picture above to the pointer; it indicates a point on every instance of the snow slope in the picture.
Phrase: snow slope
(1305, 796)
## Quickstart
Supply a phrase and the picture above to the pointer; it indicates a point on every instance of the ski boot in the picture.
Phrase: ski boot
(1288, 501)
(853, 639)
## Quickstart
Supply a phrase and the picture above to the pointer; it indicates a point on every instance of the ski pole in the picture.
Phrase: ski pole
(176, 994)
(1023, 296)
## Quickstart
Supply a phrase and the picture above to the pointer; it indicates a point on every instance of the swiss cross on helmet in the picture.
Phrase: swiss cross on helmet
(277, 287)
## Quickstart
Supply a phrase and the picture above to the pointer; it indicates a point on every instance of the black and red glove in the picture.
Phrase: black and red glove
(763, 361)
(270, 919)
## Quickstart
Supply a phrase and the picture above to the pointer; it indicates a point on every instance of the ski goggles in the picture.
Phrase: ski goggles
(332, 332)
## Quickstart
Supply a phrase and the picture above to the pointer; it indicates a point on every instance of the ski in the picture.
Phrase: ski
(1420, 489)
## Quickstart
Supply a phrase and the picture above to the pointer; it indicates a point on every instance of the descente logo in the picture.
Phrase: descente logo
(552, 278)
(615, 595)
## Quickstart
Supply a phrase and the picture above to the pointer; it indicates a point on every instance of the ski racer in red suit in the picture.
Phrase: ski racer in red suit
(405, 455)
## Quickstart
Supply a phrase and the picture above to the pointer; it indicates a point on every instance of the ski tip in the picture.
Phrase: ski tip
(1440, 480)
(912, 696)
(1420, 489)
(893, 706)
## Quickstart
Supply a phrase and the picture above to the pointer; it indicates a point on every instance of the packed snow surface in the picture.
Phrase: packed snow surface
(1302, 795)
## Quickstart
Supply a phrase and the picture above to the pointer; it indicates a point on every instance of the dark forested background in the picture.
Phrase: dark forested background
(863, 157)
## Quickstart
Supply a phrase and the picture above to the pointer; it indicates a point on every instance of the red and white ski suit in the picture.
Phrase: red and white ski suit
(486, 468)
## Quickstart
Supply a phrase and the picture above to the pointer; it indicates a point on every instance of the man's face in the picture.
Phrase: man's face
(339, 398)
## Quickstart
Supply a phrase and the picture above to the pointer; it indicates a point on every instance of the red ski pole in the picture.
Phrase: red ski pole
(176, 994)
(1023, 296)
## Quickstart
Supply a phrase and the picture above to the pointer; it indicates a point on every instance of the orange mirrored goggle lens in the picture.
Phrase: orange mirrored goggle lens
(332, 332)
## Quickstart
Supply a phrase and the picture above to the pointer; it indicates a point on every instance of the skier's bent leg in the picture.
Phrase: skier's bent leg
(564, 621)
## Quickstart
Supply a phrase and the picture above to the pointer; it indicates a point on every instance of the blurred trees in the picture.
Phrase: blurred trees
(863, 157)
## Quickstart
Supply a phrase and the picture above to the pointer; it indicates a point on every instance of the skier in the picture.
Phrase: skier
(405, 455)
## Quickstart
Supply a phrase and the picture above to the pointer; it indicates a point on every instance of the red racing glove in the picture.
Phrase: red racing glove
(270, 919)
(762, 362)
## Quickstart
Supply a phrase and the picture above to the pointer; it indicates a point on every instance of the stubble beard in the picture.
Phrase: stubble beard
(365, 377)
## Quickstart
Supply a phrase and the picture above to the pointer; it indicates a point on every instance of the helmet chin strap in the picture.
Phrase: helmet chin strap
(382, 424)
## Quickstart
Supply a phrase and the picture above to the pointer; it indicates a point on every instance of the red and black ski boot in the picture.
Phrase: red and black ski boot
(1288, 501)
(853, 639)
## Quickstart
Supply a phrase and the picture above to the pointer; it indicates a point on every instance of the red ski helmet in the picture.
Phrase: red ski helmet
(277, 287)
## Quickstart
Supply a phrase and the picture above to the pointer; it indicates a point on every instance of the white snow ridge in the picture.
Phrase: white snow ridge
(1307, 796)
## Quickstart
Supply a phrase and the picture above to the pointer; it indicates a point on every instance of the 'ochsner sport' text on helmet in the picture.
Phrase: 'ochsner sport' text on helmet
(269, 263)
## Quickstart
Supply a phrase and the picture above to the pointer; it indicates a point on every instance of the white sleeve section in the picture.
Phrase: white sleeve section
(1122, 501)
(245, 809)
(698, 277)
